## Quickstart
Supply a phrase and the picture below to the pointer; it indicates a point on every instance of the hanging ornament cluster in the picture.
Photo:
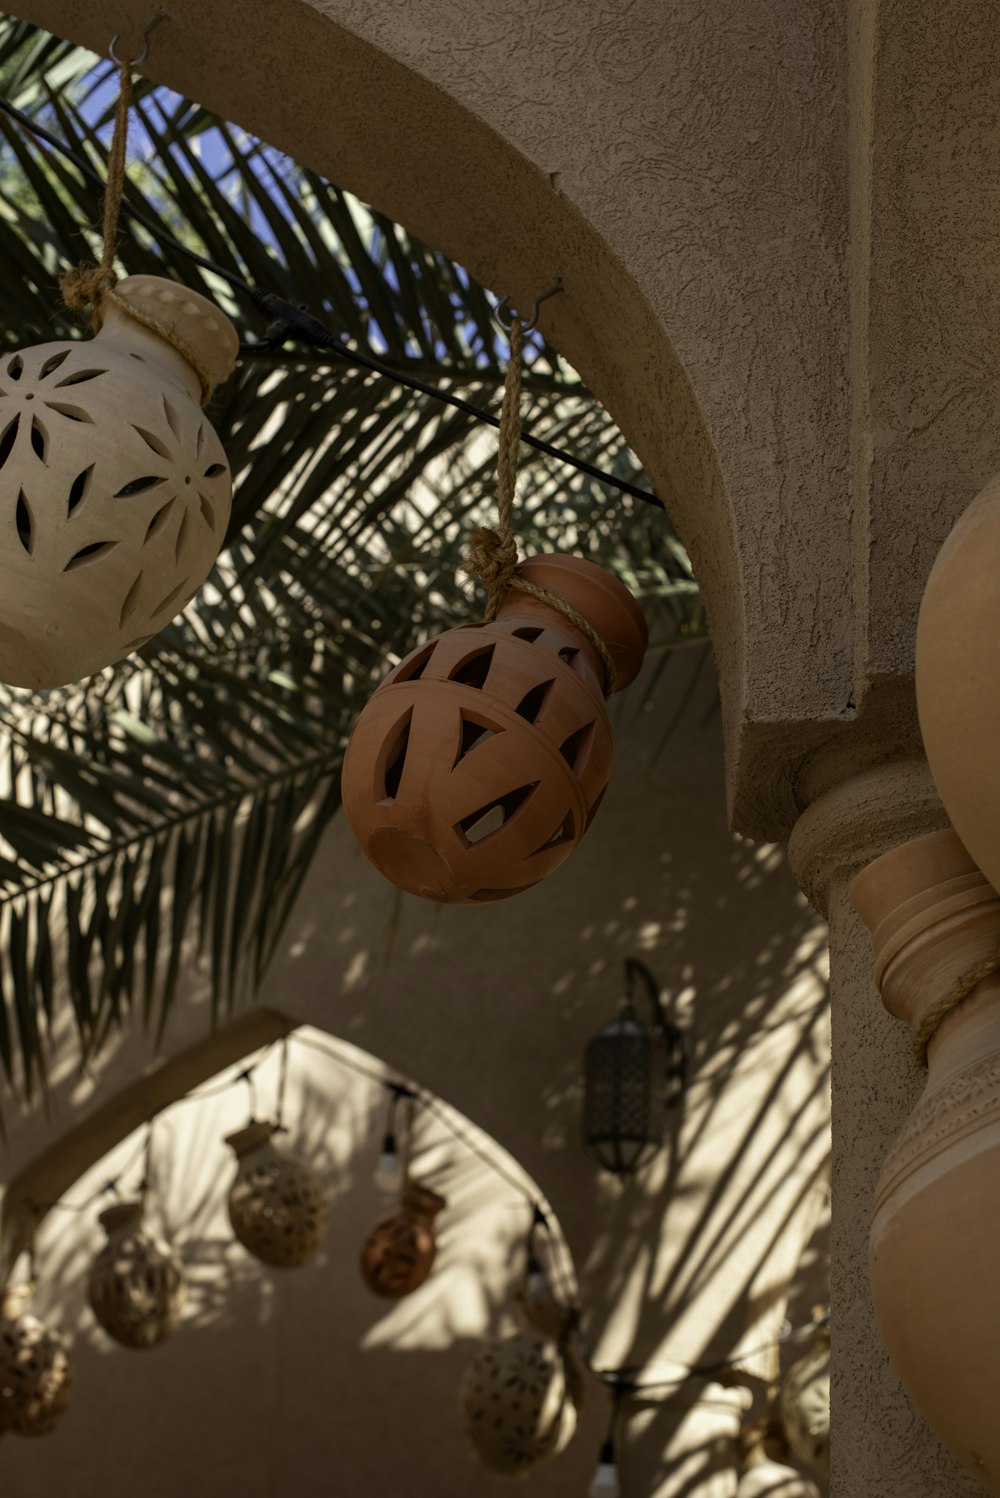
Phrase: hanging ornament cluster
(481, 760)
(399, 1252)
(114, 488)
(276, 1204)
(136, 1286)
(520, 1396)
(36, 1378)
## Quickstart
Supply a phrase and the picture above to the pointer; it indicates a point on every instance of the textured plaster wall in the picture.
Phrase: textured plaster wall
(491, 1008)
(685, 170)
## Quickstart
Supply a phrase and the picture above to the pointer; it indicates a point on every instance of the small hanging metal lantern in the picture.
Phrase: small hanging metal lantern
(632, 1075)
(805, 1405)
(276, 1204)
(36, 1378)
(520, 1396)
(399, 1252)
(136, 1285)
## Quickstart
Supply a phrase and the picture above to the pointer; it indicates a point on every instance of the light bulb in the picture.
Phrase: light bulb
(536, 1286)
(604, 1482)
(389, 1170)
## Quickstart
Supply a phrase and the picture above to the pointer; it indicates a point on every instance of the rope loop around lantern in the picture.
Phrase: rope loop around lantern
(493, 556)
(92, 286)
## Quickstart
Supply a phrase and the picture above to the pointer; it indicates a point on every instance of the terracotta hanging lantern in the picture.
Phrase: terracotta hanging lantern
(805, 1406)
(958, 677)
(36, 1378)
(136, 1284)
(114, 488)
(766, 1473)
(481, 760)
(935, 922)
(399, 1252)
(276, 1204)
(520, 1396)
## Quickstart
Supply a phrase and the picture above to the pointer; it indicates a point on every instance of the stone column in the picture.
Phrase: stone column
(881, 1448)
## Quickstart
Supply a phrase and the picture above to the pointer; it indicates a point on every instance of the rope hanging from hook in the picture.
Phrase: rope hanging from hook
(92, 286)
(493, 557)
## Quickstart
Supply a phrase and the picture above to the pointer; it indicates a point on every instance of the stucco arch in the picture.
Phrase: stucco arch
(686, 180)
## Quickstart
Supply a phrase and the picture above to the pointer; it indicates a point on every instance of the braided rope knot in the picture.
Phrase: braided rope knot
(86, 286)
(492, 561)
(961, 990)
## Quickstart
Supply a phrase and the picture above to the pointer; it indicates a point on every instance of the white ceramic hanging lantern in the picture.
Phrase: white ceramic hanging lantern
(36, 1379)
(136, 1284)
(114, 489)
(276, 1204)
(520, 1396)
(805, 1406)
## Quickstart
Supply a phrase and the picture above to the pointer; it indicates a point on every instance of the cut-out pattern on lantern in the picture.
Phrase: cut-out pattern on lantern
(36, 1378)
(520, 1396)
(276, 1204)
(399, 1252)
(136, 1283)
(114, 488)
(481, 760)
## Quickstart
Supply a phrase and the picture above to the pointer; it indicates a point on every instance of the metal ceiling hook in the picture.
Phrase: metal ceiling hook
(532, 321)
(135, 61)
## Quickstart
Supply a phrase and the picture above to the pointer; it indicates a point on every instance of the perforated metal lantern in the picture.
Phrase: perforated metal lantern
(136, 1283)
(632, 1075)
(36, 1378)
(114, 488)
(481, 760)
(276, 1204)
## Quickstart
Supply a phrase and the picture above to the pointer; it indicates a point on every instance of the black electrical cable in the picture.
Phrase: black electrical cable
(294, 324)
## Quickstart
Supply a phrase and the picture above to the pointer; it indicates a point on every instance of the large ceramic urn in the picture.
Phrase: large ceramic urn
(136, 1283)
(479, 763)
(399, 1252)
(276, 1204)
(958, 677)
(114, 488)
(935, 921)
(36, 1377)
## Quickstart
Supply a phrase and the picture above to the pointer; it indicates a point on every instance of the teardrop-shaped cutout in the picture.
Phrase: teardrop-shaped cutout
(564, 833)
(73, 412)
(131, 602)
(214, 470)
(159, 520)
(488, 819)
(473, 671)
(153, 441)
(91, 553)
(199, 445)
(574, 749)
(396, 759)
(173, 420)
(80, 377)
(207, 513)
(413, 669)
(15, 367)
(531, 704)
(7, 439)
(140, 485)
(568, 654)
(39, 439)
(182, 534)
(78, 489)
(25, 525)
(472, 734)
(52, 363)
(171, 597)
(527, 632)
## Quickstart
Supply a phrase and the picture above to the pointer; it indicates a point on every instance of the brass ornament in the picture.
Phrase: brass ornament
(114, 488)
(136, 1285)
(36, 1377)
(479, 763)
(276, 1204)
(399, 1252)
